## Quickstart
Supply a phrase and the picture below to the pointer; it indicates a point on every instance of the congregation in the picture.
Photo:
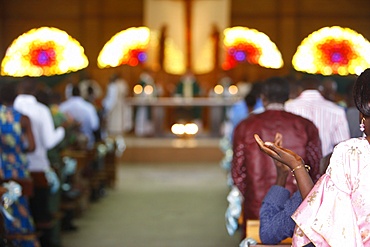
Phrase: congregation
(64, 148)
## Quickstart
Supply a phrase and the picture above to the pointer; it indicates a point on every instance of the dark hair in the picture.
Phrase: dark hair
(361, 92)
(310, 82)
(76, 91)
(28, 85)
(8, 92)
(251, 100)
(276, 90)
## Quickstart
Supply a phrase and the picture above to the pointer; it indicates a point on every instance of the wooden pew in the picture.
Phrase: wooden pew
(253, 227)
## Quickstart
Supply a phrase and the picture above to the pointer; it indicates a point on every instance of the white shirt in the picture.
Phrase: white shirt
(329, 118)
(84, 113)
(43, 129)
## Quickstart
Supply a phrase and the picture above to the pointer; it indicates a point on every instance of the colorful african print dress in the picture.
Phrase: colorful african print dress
(14, 165)
(337, 210)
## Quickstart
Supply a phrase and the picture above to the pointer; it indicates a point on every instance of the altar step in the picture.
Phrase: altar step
(165, 150)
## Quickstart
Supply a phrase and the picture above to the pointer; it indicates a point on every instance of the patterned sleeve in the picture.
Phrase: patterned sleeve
(314, 152)
(328, 216)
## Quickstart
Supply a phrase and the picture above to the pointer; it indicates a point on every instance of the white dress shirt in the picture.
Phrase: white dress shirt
(43, 129)
(329, 118)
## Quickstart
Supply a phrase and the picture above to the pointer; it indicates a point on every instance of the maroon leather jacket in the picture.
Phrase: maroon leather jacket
(253, 171)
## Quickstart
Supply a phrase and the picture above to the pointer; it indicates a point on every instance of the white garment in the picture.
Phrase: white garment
(44, 132)
(329, 118)
(118, 113)
(143, 116)
(84, 113)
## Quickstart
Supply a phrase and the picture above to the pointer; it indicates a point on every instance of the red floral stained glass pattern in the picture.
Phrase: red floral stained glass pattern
(134, 57)
(333, 50)
(336, 53)
(43, 55)
(243, 52)
(249, 45)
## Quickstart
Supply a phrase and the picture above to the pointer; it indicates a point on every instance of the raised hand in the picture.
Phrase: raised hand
(291, 159)
(283, 155)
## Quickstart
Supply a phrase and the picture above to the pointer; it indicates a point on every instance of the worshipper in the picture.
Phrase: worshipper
(219, 114)
(90, 89)
(329, 89)
(334, 211)
(17, 140)
(250, 168)
(84, 113)
(46, 137)
(117, 113)
(240, 109)
(279, 205)
(188, 87)
(144, 125)
(329, 118)
(52, 99)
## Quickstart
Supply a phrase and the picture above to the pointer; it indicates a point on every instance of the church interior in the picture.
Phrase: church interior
(166, 188)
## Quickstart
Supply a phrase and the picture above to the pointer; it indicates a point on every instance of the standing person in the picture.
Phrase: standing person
(16, 140)
(117, 113)
(329, 118)
(188, 87)
(250, 168)
(144, 124)
(335, 210)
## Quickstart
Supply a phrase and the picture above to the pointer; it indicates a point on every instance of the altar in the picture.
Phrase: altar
(163, 109)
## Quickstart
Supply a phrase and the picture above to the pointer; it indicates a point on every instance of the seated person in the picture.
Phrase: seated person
(278, 205)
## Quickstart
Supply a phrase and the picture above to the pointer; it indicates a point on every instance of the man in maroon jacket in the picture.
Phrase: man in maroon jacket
(252, 171)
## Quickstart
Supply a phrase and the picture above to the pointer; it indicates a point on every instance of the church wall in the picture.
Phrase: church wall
(91, 22)
(94, 22)
(288, 22)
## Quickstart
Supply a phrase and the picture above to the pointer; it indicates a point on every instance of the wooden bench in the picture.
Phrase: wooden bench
(253, 227)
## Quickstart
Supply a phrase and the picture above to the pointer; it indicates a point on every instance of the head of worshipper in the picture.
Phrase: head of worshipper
(361, 95)
(76, 91)
(8, 93)
(28, 85)
(275, 90)
(310, 83)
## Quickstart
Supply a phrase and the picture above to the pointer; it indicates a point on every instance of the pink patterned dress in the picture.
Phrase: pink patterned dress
(337, 210)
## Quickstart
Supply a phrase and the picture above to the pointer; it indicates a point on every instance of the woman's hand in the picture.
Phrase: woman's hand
(291, 159)
(280, 167)
(278, 153)
(282, 170)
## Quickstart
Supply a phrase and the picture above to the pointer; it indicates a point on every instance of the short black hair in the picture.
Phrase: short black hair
(8, 92)
(310, 82)
(76, 91)
(251, 100)
(361, 92)
(276, 90)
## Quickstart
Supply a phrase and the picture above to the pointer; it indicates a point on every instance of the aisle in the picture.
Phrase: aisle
(159, 205)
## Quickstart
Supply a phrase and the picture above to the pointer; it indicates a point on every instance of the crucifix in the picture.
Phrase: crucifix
(188, 6)
(211, 16)
(188, 34)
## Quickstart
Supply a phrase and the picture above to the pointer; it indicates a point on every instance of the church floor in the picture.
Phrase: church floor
(172, 204)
